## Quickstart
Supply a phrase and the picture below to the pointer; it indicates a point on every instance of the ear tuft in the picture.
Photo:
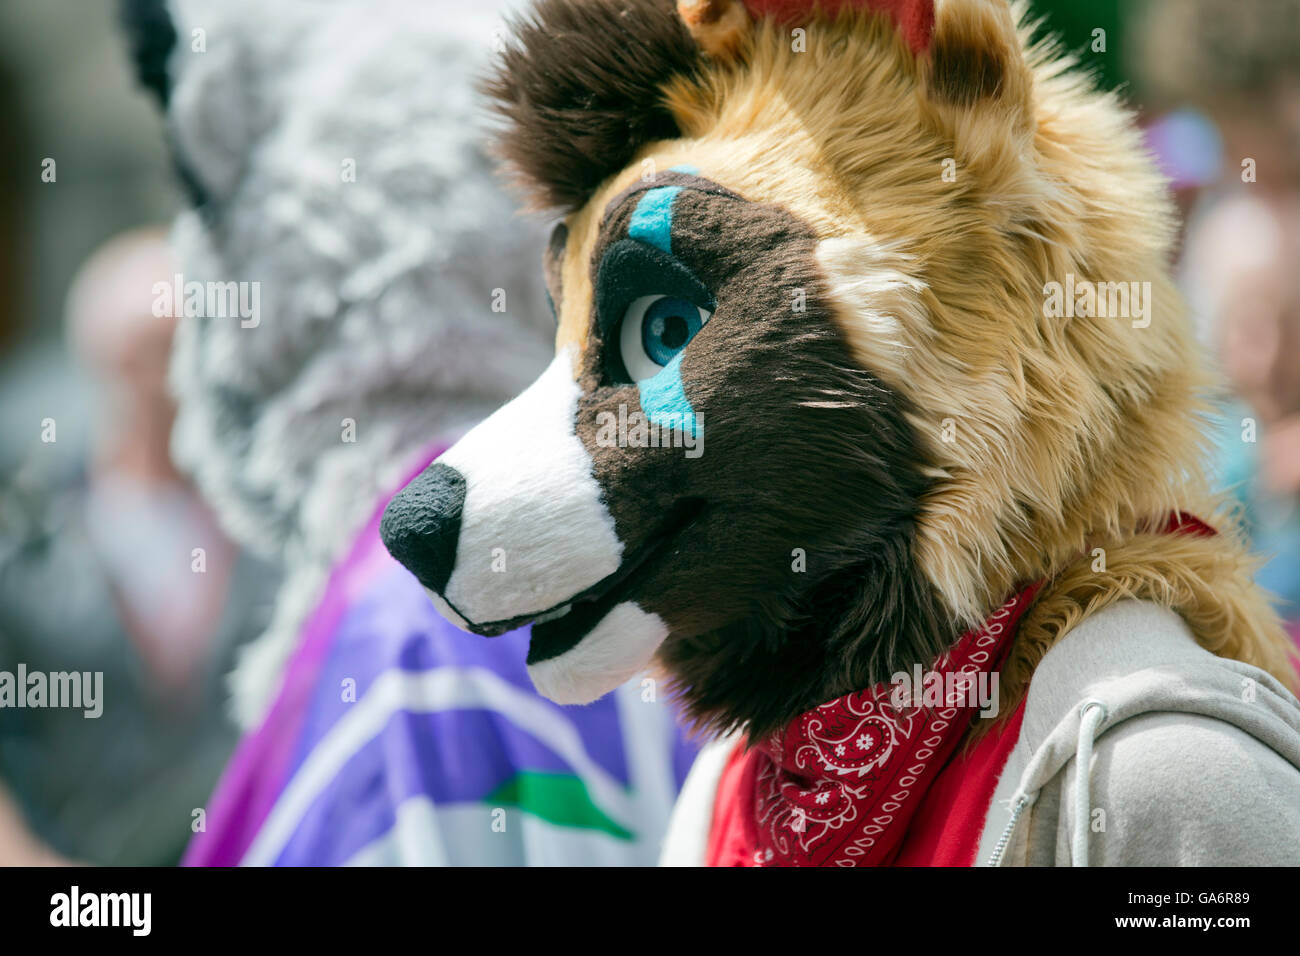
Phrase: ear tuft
(718, 26)
(581, 88)
(151, 36)
(975, 54)
(963, 71)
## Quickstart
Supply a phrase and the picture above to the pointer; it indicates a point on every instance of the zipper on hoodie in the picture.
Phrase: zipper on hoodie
(1018, 805)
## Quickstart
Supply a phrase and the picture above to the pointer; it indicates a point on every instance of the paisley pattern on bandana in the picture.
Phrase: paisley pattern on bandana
(838, 786)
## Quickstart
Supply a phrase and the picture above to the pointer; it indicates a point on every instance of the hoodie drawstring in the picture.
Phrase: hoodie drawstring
(1091, 715)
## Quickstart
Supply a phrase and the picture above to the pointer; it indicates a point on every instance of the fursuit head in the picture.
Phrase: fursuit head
(815, 409)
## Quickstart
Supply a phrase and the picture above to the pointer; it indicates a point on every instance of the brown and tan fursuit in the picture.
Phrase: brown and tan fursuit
(922, 426)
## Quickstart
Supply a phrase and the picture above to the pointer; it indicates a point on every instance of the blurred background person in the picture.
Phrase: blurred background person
(1230, 73)
(120, 570)
(331, 151)
(80, 161)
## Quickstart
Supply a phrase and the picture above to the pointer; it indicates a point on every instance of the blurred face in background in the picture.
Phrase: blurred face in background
(1258, 325)
(115, 332)
(1244, 257)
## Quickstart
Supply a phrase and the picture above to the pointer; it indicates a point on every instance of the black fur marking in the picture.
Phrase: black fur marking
(194, 189)
(151, 36)
(628, 270)
(581, 88)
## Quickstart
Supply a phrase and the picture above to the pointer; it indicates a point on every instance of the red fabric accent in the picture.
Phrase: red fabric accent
(1180, 522)
(948, 824)
(915, 18)
(839, 785)
(728, 809)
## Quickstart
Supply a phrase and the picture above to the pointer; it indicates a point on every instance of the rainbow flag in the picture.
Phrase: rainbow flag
(398, 739)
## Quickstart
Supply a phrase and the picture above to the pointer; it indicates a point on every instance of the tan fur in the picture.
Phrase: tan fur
(1206, 580)
(1066, 433)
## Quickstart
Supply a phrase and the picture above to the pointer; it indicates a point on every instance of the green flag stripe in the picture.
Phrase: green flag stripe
(558, 798)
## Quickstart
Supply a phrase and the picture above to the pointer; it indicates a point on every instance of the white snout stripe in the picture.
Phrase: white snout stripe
(534, 529)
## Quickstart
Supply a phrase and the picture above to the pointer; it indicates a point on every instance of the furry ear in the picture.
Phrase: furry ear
(151, 40)
(979, 86)
(718, 26)
(581, 88)
(975, 59)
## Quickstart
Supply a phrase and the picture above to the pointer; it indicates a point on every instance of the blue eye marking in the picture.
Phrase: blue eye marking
(656, 329)
(664, 401)
(652, 220)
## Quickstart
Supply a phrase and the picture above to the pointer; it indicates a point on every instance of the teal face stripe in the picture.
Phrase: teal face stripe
(664, 401)
(663, 397)
(652, 220)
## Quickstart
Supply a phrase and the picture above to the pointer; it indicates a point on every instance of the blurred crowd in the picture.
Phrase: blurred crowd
(112, 561)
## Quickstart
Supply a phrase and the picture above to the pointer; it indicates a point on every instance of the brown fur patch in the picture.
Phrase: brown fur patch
(581, 88)
(804, 452)
(963, 72)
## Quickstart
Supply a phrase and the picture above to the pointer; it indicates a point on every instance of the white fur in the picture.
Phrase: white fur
(532, 507)
(616, 649)
(446, 610)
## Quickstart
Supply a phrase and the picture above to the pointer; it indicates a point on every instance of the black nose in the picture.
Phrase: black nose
(422, 523)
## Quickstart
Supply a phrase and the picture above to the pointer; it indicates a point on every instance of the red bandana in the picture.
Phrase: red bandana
(839, 785)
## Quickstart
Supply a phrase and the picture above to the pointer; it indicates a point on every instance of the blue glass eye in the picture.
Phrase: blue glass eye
(655, 329)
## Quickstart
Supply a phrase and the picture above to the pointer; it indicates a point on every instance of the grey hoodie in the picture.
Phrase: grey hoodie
(1193, 759)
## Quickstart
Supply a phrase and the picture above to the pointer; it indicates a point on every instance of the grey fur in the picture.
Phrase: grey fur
(376, 295)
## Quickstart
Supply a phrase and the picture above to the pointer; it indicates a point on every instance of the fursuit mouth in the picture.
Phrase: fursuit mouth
(560, 627)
